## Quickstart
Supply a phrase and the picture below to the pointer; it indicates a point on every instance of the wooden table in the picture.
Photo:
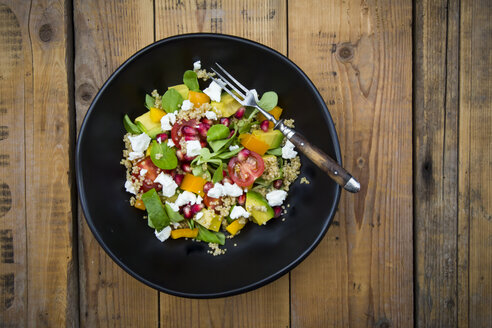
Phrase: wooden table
(409, 88)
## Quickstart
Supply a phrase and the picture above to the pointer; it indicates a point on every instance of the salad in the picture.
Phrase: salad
(202, 166)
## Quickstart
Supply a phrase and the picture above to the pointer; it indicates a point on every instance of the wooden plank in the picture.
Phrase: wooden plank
(106, 34)
(359, 56)
(46, 144)
(436, 162)
(475, 160)
(15, 85)
(260, 21)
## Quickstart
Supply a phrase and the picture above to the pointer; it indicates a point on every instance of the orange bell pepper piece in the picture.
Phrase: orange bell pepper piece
(198, 98)
(276, 112)
(156, 114)
(139, 204)
(184, 233)
(234, 227)
(194, 184)
(253, 143)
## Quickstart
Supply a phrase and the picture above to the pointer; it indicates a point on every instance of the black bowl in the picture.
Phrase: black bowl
(256, 256)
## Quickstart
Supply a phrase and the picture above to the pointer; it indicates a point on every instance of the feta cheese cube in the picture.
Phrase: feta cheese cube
(170, 143)
(197, 65)
(276, 197)
(133, 155)
(168, 184)
(163, 234)
(140, 143)
(213, 91)
(288, 151)
(129, 187)
(211, 115)
(238, 212)
(193, 147)
(232, 190)
(167, 121)
(184, 198)
(186, 105)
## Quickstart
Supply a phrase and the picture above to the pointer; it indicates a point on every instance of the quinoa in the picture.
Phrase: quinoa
(215, 249)
(289, 123)
(203, 74)
(272, 171)
(225, 208)
(305, 180)
(291, 171)
(157, 99)
(196, 113)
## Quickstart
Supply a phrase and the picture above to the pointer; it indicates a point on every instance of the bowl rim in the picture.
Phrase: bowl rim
(81, 191)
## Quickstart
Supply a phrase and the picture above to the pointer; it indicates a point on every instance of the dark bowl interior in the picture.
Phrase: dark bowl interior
(183, 267)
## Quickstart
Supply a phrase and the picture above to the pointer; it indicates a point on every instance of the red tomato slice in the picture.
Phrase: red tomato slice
(177, 133)
(244, 173)
(211, 202)
(152, 173)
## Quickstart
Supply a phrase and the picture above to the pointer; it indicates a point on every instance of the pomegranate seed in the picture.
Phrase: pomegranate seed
(278, 183)
(196, 208)
(207, 186)
(203, 143)
(189, 158)
(172, 173)
(190, 138)
(225, 121)
(161, 137)
(203, 129)
(186, 167)
(180, 155)
(240, 112)
(187, 213)
(243, 155)
(228, 180)
(188, 130)
(207, 121)
(264, 125)
(241, 199)
(178, 178)
(231, 133)
(277, 210)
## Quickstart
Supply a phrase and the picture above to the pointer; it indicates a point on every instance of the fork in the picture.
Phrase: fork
(247, 97)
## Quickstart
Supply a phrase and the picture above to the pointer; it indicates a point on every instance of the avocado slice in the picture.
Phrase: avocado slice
(272, 137)
(182, 90)
(148, 126)
(258, 207)
(210, 220)
(227, 106)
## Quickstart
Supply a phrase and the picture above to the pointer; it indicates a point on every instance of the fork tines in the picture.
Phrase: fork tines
(226, 83)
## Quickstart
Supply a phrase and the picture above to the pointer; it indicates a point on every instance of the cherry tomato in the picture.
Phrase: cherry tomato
(211, 202)
(152, 173)
(177, 133)
(245, 172)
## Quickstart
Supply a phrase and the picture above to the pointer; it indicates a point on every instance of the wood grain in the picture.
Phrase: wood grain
(15, 88)
(44, 104)
(475, 162)
(436, 162)
(106, 34)
(359, 56)
(260, 21)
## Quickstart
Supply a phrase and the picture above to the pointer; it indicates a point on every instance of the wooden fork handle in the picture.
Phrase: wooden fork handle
(326, 163)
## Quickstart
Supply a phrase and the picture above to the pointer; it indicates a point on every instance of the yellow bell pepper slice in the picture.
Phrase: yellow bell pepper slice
(156, 114)
(253, 143)
(193, 184)
(184, 233)
(198, 98)
(234, 227)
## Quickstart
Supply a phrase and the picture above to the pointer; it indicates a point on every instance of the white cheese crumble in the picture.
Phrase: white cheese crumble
(198, 199)
(197, 65)
(231, 148)
(186, 105)
(193, 148)
(288, 151)
(174, 207)
(276, 197)
(143, 172)
(186, 197)
(140, 143)
(211, 115)
(163, 234)
(168, 184)
(198, 216)
(226, 189)
(133, 155)
(167, 121)
(213, 91)
(130, 187)
(170, 143)
(175, 225)
(232, 190)
(238, 212)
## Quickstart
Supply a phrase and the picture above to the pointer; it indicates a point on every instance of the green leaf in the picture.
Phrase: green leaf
(275, 151)
(268, 101)
(210, 236)
(218, 174)
(173, 216)
(229, 154)
(155, 210)
(131, 127)
(149, 101)
(216, 145)
(162, 156)
(191, 224)
(243, 128)
(191, 80)
(217, 131)
(197, 170)
(171, 100)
